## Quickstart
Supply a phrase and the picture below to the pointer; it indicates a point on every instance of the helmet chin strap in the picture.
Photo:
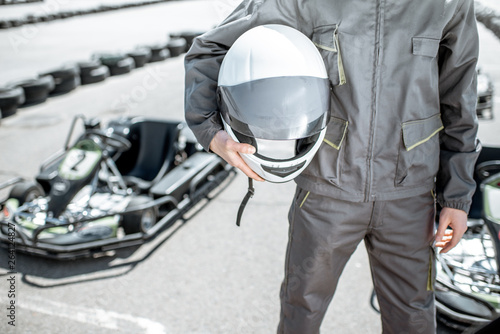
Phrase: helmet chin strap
(249, 195)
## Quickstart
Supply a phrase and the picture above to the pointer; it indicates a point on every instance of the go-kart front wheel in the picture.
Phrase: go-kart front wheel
(142, 220)
(26, 191)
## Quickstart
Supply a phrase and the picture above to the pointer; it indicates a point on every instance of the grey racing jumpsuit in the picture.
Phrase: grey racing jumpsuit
(403, 127)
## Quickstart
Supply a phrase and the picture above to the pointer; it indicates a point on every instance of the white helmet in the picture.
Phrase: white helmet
(274, 94)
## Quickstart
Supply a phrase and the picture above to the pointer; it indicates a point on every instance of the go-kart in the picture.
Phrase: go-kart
(116, 186)
(468, 276)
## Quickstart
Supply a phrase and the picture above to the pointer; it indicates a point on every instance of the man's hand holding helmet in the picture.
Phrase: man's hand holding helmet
(229, 150)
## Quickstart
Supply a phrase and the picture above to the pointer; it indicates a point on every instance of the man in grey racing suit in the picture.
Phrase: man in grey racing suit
(402, 135)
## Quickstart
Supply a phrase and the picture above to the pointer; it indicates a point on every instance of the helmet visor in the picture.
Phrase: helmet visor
(277, 108)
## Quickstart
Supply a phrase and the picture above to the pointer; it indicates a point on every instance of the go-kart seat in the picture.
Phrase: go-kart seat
(152, 154)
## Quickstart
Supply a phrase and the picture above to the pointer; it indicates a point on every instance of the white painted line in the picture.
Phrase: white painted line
(94, 316)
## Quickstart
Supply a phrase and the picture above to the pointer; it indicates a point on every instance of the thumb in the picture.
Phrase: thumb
(439, 235)
(244, 148)
(443, 225)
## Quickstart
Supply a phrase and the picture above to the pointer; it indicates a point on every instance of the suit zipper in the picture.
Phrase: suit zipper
(376, 74)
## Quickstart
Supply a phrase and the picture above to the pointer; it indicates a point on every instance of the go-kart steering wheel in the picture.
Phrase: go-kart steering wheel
(111, 140)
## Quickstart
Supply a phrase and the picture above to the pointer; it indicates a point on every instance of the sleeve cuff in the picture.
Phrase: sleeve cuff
(464, 206)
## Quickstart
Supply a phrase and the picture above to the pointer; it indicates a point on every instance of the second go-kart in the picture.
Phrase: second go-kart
(115, 187)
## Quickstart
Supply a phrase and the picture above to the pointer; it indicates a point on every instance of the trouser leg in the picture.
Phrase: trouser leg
(323, 234)
(402, 263)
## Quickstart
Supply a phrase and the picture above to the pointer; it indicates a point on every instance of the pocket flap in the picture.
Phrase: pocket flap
(419, 131)
(335, 134)
(427, 47)
(324, 37)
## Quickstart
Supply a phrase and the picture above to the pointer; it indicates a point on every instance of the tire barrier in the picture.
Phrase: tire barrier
(489, 17)
(187, 35)
(159, 52)
(36, 90)
(177, 46)
(10, 23)
(10, 99)
(118, 63)
(93, 71)
(17, 2)
(66, 78)
(5, 25)
(141, 56)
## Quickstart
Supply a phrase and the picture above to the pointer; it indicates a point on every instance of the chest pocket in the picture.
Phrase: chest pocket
(326, 39)
(423, 46)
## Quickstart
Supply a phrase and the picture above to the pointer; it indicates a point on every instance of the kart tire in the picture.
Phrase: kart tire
(50, 17)
(66, 86)
(117, 63)
(88, 66)
(68, 14)
(141, 56)
(5, 25)
(66, 79)
(31, 19)
(45, 18)
(159, 53)
(26, 191)
(139, 221)
(36, 90)
(96, 75)
(122, 67)
(10, 98)
(187, 35)
(16, 22)
(177, 46)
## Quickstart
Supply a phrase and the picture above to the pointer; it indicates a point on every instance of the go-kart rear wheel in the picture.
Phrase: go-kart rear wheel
(139, 221)
(26, 191)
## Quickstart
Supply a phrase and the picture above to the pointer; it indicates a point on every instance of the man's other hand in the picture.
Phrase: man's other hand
(455, 219)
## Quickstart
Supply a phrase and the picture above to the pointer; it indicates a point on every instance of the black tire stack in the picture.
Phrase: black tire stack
(36, 90)
(93, 71)
(177, 46)
(159, 52)
(141, 56)
(117, 63)
(11, 98)
(187, 35)
(66, 78)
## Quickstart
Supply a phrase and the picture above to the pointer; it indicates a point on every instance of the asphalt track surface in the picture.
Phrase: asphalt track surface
(203, 275)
